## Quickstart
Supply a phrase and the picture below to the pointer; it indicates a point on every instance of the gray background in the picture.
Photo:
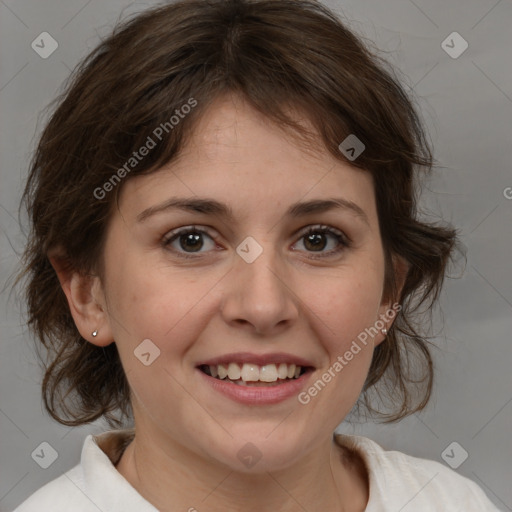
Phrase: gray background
(467, 105)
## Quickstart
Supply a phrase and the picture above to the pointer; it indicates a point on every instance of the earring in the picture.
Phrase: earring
(384, 331)
(95, 333)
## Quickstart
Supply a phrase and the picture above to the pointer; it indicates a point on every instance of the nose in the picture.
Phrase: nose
(260, 296)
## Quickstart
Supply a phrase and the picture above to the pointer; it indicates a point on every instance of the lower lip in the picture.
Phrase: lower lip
(258, 395)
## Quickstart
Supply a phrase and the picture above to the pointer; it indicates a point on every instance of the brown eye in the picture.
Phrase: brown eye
(191, 241)
(317, 238)
(315, 241)
(187, 240)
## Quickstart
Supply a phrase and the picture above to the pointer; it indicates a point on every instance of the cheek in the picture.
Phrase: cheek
(345, 309)
(162, 304)
(346, 304)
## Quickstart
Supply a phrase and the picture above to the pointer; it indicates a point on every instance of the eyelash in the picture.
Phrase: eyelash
(340, 237)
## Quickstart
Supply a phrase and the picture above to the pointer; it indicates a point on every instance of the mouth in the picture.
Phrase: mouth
(254, 375)
(256, 379)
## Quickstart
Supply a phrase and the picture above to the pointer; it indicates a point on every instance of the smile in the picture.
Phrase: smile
(250, 374)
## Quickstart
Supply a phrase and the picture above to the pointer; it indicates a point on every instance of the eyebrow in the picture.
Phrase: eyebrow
(213, 207)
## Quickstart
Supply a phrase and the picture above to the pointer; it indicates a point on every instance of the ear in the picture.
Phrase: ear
(86, 300)
(388, 308)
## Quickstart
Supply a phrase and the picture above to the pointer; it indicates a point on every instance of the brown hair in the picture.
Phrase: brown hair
(276, 54)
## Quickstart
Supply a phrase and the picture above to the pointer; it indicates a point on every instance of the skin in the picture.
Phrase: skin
(184, 454)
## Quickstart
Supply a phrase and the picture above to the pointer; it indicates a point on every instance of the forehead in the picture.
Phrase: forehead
(237, 156)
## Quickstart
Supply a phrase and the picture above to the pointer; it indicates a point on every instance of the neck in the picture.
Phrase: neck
(327, 478)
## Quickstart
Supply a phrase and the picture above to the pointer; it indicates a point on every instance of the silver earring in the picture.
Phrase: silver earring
(95, 333)
(384, 331)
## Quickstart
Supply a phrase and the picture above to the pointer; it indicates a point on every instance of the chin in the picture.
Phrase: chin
(256, 454)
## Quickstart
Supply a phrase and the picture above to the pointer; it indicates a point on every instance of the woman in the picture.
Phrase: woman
(225, 250)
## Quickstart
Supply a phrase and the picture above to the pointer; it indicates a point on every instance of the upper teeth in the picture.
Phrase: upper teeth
(249, 372)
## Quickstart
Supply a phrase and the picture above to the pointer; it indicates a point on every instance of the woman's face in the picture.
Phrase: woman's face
(252, 287)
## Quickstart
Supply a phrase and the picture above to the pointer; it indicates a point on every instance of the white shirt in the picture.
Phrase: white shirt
(398, 482)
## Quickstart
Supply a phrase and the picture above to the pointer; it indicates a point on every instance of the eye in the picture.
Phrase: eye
(316, 239)
(189, 239)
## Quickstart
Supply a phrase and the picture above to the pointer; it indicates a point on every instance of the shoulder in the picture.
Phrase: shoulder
(64, 493)
(402, 482)
(94, 484)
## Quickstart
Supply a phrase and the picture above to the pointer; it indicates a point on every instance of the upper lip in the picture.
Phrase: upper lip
(258, 359)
